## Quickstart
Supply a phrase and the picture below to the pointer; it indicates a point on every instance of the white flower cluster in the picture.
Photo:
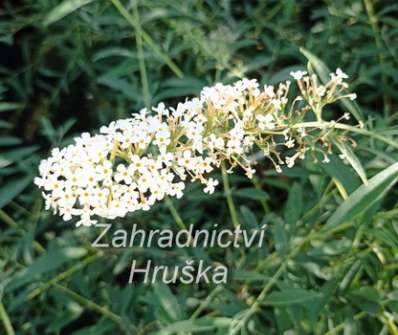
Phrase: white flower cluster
(133, 163)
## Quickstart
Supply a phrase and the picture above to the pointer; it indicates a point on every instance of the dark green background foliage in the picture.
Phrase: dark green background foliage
(328, 266)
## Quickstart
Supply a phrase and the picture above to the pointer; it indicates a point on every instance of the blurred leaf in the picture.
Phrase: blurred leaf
(5, 124)
(280, 234)
(112, 52)
(49, 261)
(352, 159)
(364, 197)
(12, 188)
(289, 297)
(366, 298)
(9, 140)
(9, 106)
(294, 205)
(200, 325)
(167, 306)
(249, 218)
(251, 193)
(337, 169)
(63, 9)
(17, 154)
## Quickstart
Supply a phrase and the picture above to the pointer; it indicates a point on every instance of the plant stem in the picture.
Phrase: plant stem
(11, 222)
(91, 304)
(205, 302)
(259, 299)
(62, 276)
(263, 202)
(376, 33)
(8, 219)
(174, 213)
(228, 194)
(6, 320)
(140, 52)
(147, 39)
(341, 325)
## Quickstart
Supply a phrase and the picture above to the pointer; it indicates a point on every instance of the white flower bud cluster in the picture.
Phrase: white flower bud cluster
(133, 163)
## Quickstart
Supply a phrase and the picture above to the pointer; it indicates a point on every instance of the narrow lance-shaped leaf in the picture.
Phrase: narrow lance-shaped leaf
(364, 197)
(168, 304)
(352, 159)
(291, 297)
(294, 204)
(12, 188)
(205, 324)
(341, 173)
(64, 8)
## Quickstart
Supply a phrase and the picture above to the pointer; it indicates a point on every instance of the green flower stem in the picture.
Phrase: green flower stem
(147, 38)
(264, 204)
(341, 326)
(12, 223)
(253, 308)
(8, 219)
(177, 218)
(6, 320)
(228, 194)
(387, 215)
(140, 52)
(206, 302)
(378, 41)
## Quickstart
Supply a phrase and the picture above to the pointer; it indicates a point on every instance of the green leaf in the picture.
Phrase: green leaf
(280, 234)
(340, 171)
(319, 66)
(11, 189)
(352, 159)
(9, 106)
(248, 276)
(288, 297)
(47, 262)
(19, 153)
(366, 298)
(364, 197)
(5, 124)
(168, 307)
(9, 140)
(252, 193)
(323, 72)
(294, 204)
(249, 218)
(64, 8)
(199, 325)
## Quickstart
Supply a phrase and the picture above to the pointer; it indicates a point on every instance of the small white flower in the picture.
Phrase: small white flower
(298, 75)
(326, 159)
(210, 185)
(266, 121)
(269, 91)
(123, 174)
(290, 143)
(250, 172)
(341, 74)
